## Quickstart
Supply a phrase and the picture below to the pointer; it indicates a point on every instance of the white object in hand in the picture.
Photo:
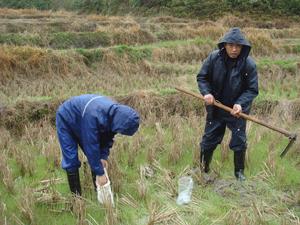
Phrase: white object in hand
(185, 187)
(104, 193)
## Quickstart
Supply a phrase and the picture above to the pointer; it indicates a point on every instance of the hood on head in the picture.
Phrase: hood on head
(124, 120)
(235, 36)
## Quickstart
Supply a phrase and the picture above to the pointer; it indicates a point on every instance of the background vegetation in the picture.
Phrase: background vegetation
(199, 8)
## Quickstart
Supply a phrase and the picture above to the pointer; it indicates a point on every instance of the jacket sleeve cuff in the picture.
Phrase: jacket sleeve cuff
(99, 171)
(205, 92)
(104, 152)
(104, 156)
(241, 104)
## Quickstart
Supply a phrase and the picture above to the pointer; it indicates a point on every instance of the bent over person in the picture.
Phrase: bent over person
(228, 75)
(91, 122)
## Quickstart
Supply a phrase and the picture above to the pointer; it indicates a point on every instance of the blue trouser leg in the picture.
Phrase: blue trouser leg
(213, 135)
(69, 148)
(238, 144)
(237, 126)
(68, 144)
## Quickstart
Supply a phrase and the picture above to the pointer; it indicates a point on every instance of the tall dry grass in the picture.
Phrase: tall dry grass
(166, 180)
(29, 62)
(284, 33)
(23, 13)
(285, 113)
(6, 174)
(129, 200)
(151, 154)
(116, 174)
(167, 19)
(52, 151)
(79, 208)
(134, 149)
(261, 42)
(132, 35)
(6, 139)
(25, 159)
(262, 23)
(142, 184)
(183, 54)
(177, 146)
(111, 19)
(188, 31)
(3, 218)
(142, 189)
(196, 124)
(224, 147)
(86, 178)
(163, 215)
(26, 205)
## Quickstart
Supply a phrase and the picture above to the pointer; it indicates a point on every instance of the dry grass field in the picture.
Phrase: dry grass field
(46, 57)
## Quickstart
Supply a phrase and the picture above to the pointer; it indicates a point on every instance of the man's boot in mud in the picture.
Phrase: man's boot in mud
(239, 165)
(74, 182)
(205, 159)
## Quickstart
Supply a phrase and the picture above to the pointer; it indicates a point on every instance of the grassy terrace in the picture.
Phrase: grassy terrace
(166, 64)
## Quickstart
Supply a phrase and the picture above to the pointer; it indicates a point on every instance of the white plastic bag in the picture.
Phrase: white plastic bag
(104, 193)
(185, 187)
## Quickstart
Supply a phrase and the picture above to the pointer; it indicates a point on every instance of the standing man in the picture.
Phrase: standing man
(227, 75)
(91, 121)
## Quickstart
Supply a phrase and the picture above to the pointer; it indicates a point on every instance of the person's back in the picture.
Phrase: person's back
(80, 109)
(91, 121)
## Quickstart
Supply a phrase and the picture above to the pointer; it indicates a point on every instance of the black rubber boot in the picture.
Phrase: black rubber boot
(94, 180)
(239, 165)
(74, 182)
(240, 175)
(205, 159)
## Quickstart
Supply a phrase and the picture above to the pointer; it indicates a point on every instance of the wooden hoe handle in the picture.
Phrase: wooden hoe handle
(243, 115)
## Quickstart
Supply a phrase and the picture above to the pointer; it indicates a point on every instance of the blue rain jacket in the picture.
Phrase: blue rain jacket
(92, 121)
(243, 77)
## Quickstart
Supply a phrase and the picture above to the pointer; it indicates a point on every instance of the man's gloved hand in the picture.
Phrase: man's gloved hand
(209, 99)
(101, 180)
(236, 110)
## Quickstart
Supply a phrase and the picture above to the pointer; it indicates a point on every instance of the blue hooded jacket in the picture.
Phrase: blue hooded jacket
(243, 77)
(93, 121)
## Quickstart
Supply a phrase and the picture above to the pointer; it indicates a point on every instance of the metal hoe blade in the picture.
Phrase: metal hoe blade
(287, 148)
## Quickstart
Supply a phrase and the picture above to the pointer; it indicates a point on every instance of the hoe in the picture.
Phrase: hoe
(291, 136)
